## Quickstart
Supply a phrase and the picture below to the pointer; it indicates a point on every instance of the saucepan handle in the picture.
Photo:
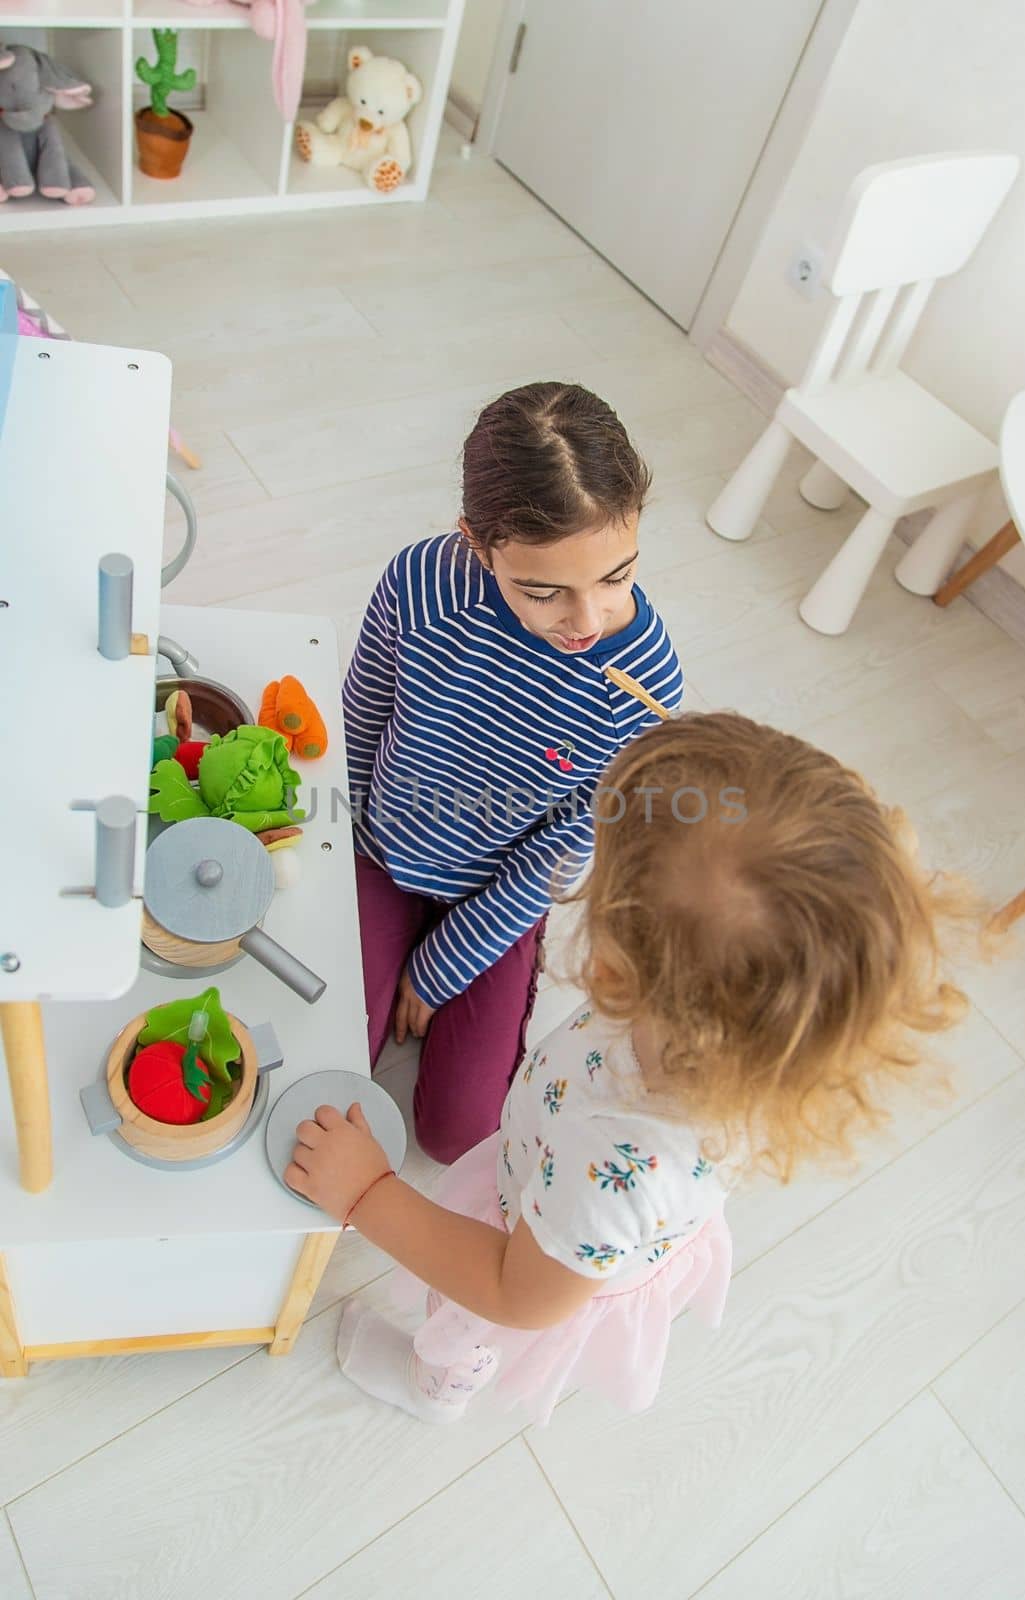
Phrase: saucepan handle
(269, 1053)
(283, 964)
(101, 1113)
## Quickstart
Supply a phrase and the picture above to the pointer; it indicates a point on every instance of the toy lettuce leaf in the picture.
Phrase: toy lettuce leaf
(289, 777)
(220, 1094)
(173, 798)
(171, 1021)
(258, 821)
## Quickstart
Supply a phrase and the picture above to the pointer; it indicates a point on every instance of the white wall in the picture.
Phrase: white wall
(481, 22)
(911, 77)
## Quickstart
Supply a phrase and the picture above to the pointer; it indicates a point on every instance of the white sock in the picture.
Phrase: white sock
(378, 1358)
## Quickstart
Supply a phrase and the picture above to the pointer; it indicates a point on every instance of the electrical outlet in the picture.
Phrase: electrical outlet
(805, 271)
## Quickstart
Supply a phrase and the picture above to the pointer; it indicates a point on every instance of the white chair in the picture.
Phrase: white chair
(903, 225)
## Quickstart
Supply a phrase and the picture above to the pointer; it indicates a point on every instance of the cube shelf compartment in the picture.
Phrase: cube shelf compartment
(242, 158)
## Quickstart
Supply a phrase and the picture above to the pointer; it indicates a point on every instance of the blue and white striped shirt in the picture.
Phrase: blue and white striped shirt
(475, 748)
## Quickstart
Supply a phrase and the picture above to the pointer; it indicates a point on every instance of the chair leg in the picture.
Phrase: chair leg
(997, 547)
(736, 509)
(821, 487)
(932, 555)
(833, 599)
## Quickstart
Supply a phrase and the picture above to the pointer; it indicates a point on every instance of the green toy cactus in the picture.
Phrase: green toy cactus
(163, 135)
(161, 78)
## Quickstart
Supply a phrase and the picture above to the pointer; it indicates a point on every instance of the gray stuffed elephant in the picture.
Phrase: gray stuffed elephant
(32, 154)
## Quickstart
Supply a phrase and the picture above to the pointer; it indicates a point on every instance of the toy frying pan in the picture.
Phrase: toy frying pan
(208, 884)
(341, 1089)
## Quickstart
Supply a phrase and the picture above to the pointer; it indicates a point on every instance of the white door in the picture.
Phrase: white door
(640, 124)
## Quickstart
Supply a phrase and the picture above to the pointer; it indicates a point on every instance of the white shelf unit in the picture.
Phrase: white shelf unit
(242, 159)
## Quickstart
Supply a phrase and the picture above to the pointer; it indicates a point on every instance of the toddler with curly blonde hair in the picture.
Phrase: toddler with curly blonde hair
(761, 953)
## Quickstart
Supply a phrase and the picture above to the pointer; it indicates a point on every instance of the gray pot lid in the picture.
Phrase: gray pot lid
(208, 879)
(299, 1103)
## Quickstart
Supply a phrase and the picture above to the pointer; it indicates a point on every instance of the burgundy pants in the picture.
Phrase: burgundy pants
(475, 1041)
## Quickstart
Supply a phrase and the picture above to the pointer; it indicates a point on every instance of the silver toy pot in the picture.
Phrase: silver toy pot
(215, 707)
(208, 885)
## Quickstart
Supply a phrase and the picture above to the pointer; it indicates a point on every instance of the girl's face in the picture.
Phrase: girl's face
(571, 593)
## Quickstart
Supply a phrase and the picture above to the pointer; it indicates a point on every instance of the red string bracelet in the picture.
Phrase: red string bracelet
(379, 1179)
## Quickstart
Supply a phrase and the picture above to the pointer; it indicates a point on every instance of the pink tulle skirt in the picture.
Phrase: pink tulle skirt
(615, 1344)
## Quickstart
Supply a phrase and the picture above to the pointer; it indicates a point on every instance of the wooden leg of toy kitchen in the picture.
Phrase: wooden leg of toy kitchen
(21, 1024)
(13, 1363)
(313, 1259)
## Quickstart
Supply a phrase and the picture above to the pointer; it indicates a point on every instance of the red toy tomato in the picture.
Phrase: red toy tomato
(157, 1085)
(188, 756)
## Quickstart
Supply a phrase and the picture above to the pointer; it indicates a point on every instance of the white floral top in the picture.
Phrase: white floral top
(605, 1186)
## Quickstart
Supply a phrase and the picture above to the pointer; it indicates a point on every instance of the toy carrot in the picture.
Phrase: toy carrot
(288, 709)
(268, 715)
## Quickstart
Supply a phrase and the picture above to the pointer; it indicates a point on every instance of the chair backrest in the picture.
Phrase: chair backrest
(903, 224)
(908, 220)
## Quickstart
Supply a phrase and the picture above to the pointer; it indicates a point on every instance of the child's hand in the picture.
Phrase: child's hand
(335, 1160)
(412, 1014)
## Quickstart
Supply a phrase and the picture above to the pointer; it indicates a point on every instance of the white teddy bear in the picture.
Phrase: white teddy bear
(364, 130)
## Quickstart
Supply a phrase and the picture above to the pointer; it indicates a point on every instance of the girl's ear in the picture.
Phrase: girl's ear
(471, 539)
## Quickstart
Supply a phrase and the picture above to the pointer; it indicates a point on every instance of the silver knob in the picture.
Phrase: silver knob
(209, 874)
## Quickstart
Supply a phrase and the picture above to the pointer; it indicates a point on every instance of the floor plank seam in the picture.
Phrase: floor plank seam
(248, 466)
(350, 1294)
(970, 1347)
(973, 1447)
(412, 1512)
(823, 1478)
(955, 711)
(578, 1535)
(957, 786)
(138, 1423)
(339, 484)
(122, 291)
(20, 1555)
(697, 403)
(874, 1172)
(981, 1008)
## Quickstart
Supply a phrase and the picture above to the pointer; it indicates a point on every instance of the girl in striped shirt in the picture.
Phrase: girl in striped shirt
(479, 717)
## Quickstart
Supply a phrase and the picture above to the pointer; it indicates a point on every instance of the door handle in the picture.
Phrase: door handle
(517, 49)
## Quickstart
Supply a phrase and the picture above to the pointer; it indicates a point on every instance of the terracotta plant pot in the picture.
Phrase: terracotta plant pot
(163, 142)
(178, 1141)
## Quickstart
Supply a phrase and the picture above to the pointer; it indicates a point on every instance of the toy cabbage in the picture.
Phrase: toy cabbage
(244, 776)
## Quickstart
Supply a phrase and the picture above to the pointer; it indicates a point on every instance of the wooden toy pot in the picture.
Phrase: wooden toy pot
(208, 884)
(110, 1109)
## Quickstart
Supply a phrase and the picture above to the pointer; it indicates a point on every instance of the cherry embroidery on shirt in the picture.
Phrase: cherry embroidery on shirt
(561, 753)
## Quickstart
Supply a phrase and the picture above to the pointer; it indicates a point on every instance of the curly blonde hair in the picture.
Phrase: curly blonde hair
(753, 900)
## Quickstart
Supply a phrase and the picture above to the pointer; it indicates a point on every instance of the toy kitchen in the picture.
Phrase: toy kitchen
(180, 978)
